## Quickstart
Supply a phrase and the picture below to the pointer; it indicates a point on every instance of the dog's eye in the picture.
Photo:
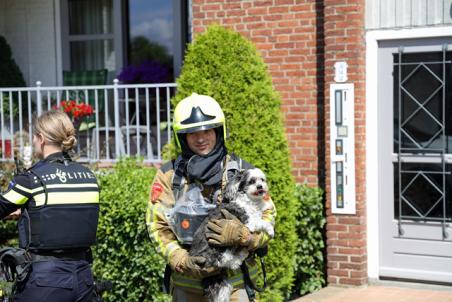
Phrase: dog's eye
(252, 181)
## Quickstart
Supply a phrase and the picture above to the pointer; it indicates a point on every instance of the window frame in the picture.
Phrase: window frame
(117, 36)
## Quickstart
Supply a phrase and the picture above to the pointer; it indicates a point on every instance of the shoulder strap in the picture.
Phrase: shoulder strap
(232, 164)
(169, 165)
(178, 184)
(178, 181)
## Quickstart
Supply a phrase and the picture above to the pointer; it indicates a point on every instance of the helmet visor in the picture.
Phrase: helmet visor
(200, 128)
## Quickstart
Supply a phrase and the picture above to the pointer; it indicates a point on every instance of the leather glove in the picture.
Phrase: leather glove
(183, 263)
(228, 232)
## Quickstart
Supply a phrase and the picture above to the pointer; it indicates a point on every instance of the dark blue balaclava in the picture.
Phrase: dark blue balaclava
(206, 169)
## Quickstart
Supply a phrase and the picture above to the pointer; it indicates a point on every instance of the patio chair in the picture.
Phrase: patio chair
(135, 138)
(86, 78)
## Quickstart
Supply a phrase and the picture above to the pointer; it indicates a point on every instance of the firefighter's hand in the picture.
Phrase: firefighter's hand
(228, 232)
(14, 215)
(193, 266)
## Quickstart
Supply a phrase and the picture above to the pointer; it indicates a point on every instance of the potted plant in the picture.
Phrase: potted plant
(77, 113)
(150, 71)
(10, 74)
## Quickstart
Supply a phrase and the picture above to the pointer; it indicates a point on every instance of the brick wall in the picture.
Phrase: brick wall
(286, 33)
(346, 234)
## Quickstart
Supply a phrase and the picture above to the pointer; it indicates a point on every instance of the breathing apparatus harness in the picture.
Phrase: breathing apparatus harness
(178, 183)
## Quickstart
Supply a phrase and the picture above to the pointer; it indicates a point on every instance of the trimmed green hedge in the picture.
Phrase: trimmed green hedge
(10, 74)
(8, 229)
(226, 66)
(124, 253)
(309, 260)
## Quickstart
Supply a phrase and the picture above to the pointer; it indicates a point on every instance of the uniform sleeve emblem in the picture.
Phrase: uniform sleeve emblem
(11, 185)
(157, 190)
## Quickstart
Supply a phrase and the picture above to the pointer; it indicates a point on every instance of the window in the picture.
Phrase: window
(157, 32)
(111, 34)
(89, 35)
(421, 96)
(422, 135)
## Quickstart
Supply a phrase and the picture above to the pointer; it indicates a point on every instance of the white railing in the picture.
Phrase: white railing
(128, 120)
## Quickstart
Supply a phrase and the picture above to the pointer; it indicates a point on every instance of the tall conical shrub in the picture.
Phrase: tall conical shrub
(10, 74)
(223, 64)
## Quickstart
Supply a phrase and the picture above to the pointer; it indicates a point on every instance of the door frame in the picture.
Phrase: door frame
(373, 122)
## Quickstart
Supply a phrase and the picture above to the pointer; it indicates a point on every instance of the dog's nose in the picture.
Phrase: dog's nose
(259, 187)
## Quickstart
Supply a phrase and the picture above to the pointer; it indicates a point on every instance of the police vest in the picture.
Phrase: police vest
(63, 208)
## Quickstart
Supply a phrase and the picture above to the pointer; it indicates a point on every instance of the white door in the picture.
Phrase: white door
(415, 143)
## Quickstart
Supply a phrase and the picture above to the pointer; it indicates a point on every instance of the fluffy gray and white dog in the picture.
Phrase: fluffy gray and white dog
(245, 198)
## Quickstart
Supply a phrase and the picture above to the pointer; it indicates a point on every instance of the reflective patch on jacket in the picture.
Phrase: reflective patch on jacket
(235, 278)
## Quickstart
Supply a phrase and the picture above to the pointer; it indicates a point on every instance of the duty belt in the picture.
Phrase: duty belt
(14, 263)
(62, 256)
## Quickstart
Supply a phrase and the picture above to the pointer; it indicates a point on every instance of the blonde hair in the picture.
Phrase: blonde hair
(56, 128)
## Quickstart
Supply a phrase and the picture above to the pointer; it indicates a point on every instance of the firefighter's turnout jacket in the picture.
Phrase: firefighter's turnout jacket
(162, 199)
(59, 199)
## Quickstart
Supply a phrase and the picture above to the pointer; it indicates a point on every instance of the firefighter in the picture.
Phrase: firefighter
(59, 202)
(200, 132)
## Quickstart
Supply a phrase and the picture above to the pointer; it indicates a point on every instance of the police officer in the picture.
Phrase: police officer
(200, 131)
(59, 200)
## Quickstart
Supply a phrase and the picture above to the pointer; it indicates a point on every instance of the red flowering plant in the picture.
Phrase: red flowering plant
(77, 112)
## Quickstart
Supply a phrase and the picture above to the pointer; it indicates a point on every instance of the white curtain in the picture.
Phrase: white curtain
(90, 17)
(90, 34)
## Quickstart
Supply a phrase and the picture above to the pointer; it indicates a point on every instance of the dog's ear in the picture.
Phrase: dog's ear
(230, 192)
(244, 175)
(232, 187)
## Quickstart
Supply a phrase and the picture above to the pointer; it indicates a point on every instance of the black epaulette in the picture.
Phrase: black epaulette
(243, 164)
(169, 165)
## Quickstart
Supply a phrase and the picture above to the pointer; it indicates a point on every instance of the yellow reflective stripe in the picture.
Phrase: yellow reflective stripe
(182, 281)
(161, 248)
(15, 197)
(148, 219)
(252, 267)
(54, 198)
(269, 218)
(170, 248)
(270, 214)
(70, 186)
(264, 239)
(235, 278)
(23, 188)
(153, 235)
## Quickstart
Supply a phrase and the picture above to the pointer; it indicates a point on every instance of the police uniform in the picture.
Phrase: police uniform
(184, 287)
(59, 199)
